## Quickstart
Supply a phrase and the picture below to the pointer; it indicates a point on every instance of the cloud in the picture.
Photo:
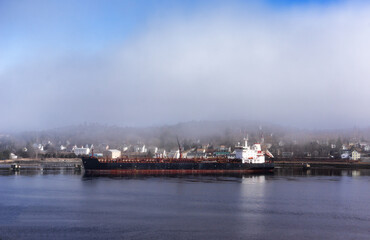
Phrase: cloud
(305, 67)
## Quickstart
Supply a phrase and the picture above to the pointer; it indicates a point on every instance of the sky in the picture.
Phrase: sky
(299, 63)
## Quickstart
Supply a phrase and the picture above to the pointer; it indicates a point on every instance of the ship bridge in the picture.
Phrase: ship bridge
(250, 154)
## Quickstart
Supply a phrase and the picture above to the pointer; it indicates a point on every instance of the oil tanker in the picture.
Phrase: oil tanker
(247, 159)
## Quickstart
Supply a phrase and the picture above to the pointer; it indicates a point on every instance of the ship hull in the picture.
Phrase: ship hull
(93, 164)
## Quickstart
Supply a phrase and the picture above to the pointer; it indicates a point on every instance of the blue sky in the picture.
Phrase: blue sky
(289, 3)
(26, 25)
(261, 60)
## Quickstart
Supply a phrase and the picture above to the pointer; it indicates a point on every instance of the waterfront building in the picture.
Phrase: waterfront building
(161, 153)
(112, 153)
(38, 146)
(195, 154)
(140, 149)
(174, 154)
(355, 155)
(367, 148)
(81, 151)
(223, 154)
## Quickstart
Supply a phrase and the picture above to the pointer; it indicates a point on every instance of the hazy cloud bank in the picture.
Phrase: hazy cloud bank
(306, 67)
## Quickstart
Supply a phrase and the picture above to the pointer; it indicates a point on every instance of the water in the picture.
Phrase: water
(290, 204)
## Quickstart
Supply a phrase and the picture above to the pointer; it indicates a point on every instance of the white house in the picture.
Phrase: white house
(38, 146)
(12, 156)
(355, 155)
(112, 153)
(81, 151)
(160, 154)
(144, 149)
(174, 154)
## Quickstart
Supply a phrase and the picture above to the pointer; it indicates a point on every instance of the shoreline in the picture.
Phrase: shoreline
(37, 164)
(70, 162)
(40, 161)
(322, 164)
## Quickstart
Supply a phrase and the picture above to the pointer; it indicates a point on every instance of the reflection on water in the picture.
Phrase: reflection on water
(321, 172)
(188, 177)
(34, 172)
(253, 192)
(277, 172)
(287, 204)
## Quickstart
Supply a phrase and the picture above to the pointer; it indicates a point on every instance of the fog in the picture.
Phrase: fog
(305, 67)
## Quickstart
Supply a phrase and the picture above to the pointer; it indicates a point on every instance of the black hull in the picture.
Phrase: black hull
(93, 164)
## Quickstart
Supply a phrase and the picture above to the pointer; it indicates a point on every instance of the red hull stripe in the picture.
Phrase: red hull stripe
(133, 171)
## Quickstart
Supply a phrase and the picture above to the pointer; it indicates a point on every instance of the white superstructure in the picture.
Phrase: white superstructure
(247, 154)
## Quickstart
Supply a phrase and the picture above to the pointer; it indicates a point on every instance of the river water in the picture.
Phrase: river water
(289, 204)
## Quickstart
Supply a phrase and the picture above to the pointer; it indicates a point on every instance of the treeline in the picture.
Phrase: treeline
(8, 146)
(328, 149)
(190, 134)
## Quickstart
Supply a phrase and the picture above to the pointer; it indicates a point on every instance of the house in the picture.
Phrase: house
(112, 153)
(195, 154)
(223, 148)
(367, 148)
(12, 156)
(125, 148)
(161, 153)
(81, 150)
(355, 155)
(174, 154)
(38, 146)
(201, 150)
(222, 154)
(140, 149)
(345, 154)
(143, 149)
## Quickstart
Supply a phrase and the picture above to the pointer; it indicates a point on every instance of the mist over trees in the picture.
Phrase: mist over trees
(190, 134)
